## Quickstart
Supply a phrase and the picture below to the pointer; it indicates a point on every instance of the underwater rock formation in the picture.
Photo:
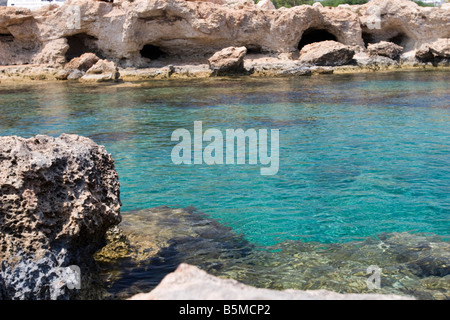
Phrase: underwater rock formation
(58, 197)
(152, 243)
(190, 283)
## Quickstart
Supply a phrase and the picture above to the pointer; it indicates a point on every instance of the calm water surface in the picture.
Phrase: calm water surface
(359, 154)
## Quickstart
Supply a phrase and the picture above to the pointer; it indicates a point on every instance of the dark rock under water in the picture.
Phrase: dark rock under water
(159, 239)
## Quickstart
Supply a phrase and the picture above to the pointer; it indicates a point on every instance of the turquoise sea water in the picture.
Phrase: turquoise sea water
(359, 154)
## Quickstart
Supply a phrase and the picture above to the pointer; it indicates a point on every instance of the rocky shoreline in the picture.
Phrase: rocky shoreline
(152, 39)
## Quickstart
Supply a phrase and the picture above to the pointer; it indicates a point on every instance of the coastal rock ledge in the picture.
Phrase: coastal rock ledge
(58, 197)
(175, 38)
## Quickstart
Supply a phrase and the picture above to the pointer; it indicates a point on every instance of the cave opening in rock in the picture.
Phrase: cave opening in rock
(315, 35)
(152, 52)
(367, 38)
(79, 44)
(6, 37)
(253, 49)
(400, 39)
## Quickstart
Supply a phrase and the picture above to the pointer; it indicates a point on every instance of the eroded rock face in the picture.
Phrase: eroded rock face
(327, 53)
(198, 29)
(58, 197)
(228, 61)
(190, 283)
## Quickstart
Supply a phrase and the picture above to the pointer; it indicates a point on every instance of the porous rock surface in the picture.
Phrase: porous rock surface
(58, 197)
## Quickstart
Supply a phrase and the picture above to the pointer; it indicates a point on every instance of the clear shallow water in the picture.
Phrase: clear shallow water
(359, 154)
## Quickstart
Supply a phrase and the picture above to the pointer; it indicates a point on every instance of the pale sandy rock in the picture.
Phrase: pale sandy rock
(63, 74)
(58, 196)
(190, 283)
(228, 60)
(240, 4)
(102, 66)
(102, 71)
(327, 53)
(364, 59)
(439, 49)
(75, 75)
(83, 62)
(265, 5)
(385, 49)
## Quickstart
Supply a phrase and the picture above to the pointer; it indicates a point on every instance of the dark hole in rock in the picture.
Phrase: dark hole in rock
(79, 44)
(401, 39)
(253, 49)
(152, 52)
(315, 35)
(6, 37)
(367, 38)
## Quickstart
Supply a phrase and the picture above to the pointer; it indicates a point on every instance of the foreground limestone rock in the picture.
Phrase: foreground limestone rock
(228, 61)
(190, 283)
(58, 197)
(327, 53)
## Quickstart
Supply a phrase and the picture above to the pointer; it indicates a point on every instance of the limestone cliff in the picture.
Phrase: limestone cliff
(132, 32)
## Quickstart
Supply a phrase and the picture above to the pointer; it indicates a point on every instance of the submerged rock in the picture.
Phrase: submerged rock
(326, 53)
(153, 242)
(190, 283)
(58, 197)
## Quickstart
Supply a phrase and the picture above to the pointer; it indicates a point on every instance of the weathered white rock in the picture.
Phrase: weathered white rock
(265, 5)
(102, 71)
(327, 53)
(190, 283)
(439, 49)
